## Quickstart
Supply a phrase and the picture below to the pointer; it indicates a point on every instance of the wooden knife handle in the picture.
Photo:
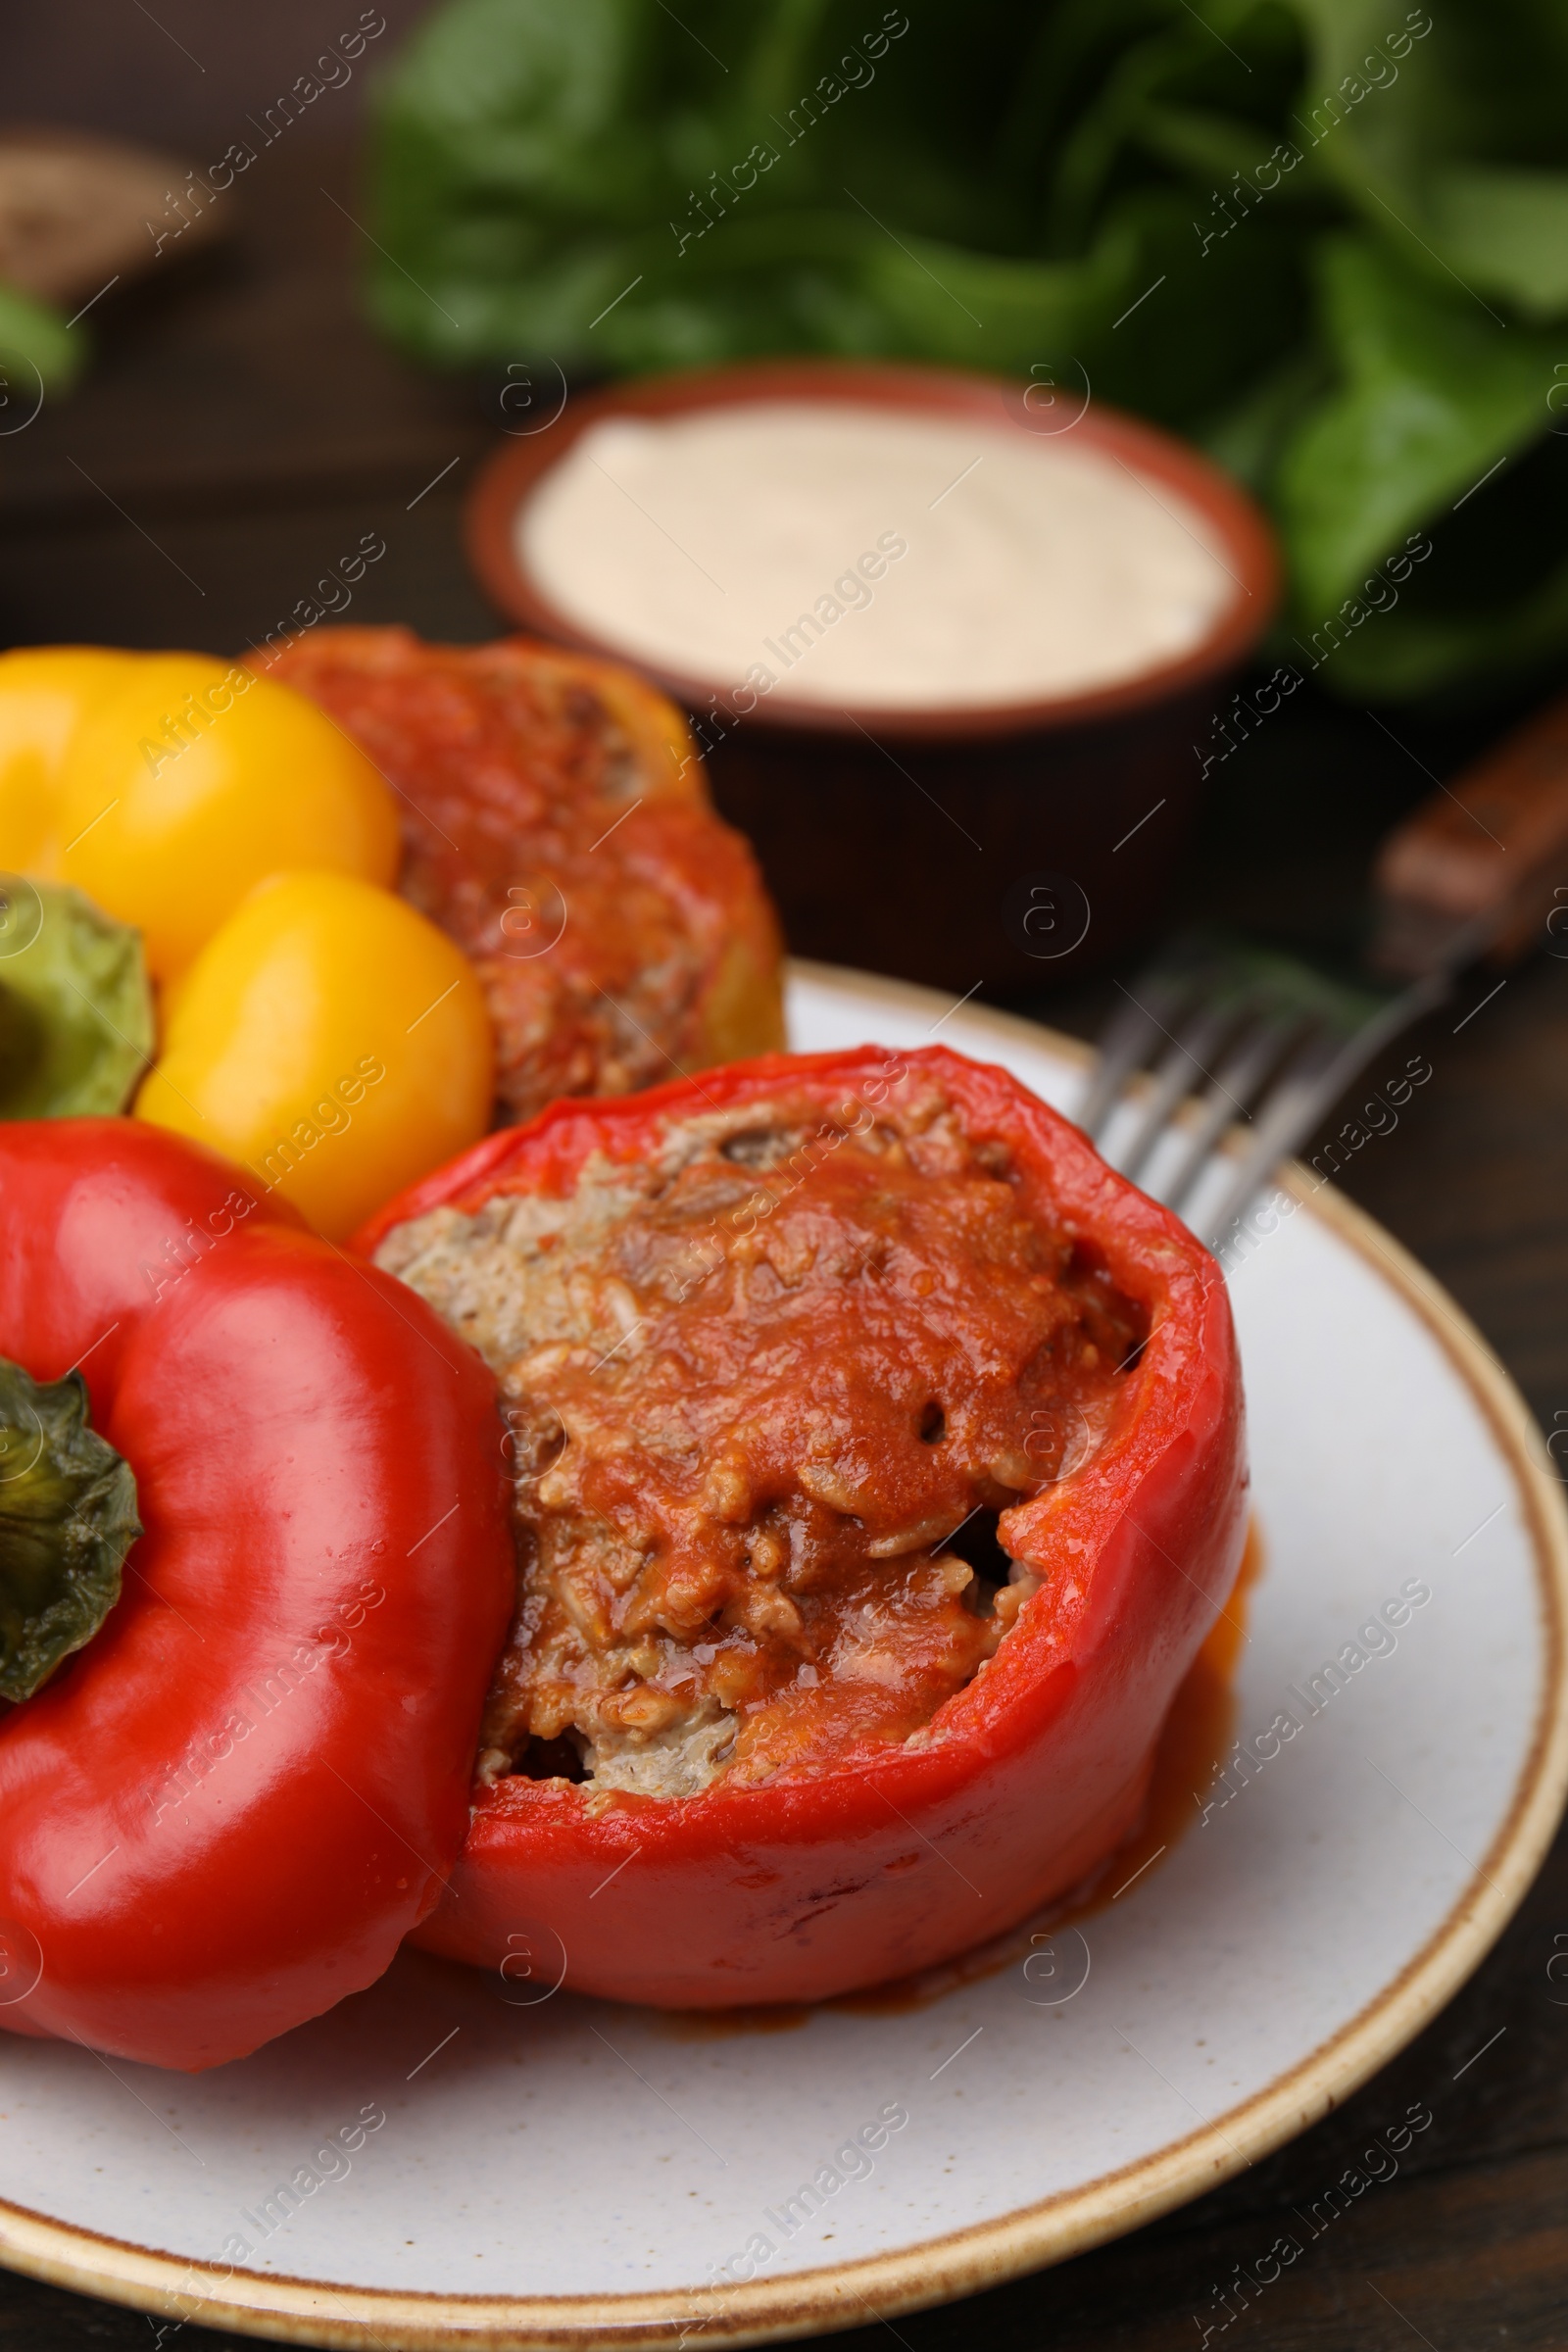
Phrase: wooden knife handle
(1488, 849)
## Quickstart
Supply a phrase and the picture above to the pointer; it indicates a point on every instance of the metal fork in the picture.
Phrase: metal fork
(1242, 1035)
(1239, 1035)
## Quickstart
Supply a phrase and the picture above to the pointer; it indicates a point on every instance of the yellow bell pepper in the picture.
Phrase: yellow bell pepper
(46, 691)
(194, 780)
(331, 1040)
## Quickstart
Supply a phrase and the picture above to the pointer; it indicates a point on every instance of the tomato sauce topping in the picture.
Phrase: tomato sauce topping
(768, 1392)
(620, 928)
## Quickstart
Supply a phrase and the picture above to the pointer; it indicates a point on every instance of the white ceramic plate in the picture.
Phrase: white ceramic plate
(571, 2172)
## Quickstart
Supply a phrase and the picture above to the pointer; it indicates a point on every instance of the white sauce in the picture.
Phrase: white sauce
(825, 553)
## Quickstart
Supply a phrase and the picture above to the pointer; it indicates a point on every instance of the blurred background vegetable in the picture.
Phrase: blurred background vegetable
(46, 691)
(38, 355)
(1328, 238)
(74, 223)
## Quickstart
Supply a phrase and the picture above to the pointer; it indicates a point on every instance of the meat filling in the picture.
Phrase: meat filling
(767, 1391)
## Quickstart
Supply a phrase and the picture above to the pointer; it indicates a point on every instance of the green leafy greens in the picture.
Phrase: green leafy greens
(1329, 238)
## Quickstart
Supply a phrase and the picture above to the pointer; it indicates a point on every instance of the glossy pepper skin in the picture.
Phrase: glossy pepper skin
(887, 1861)
(226, 1811)
(331, 1040)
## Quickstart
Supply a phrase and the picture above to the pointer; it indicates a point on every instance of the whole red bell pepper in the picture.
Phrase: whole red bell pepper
(892, 1857)
(222, 1809)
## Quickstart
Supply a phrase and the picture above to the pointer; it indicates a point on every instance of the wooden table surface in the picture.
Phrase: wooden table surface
(241, 430)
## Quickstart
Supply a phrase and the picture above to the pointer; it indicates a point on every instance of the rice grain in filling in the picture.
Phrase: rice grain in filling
(765, 1390)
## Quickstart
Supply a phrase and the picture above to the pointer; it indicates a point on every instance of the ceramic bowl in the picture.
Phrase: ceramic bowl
(1003, 843)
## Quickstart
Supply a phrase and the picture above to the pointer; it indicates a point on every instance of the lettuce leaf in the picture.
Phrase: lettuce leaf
(1327, 237)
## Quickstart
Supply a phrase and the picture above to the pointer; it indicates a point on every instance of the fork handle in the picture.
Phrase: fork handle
(1484, 863)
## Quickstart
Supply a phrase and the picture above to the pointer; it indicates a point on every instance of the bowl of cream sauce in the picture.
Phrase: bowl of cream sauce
(943, 638)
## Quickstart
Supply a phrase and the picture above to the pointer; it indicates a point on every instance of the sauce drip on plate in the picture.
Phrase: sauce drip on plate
(1193, 1744)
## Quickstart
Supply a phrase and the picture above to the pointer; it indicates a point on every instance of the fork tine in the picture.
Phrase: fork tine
(1126, 1041)
(1185, 1062)
(1257, 1048)
(1279, 1124)
(1289, 1040)
(1294, 1113)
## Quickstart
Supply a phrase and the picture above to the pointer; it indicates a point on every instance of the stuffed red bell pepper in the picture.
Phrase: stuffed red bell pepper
(878, 1471)
(248, 1608)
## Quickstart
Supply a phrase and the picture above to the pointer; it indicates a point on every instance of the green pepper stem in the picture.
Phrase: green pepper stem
(68, 1518)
